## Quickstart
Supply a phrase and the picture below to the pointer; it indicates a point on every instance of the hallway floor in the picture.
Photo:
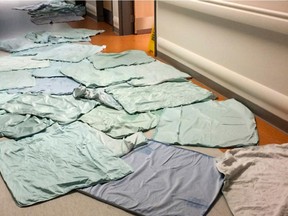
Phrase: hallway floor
(267, 133)
(76, 203)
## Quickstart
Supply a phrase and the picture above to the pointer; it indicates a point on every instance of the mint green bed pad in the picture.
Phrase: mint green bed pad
(62, 36)
(18, 44)
(16, 79)
(85, 73)
(126, 58)
(211, 124)
(62, 109)
(157, 72)
(51, 164)
(69, 52)
(118, 123)
(148, 98)
(12, 63)
(17, 126)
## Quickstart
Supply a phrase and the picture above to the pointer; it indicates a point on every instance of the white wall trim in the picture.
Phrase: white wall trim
(250, 8)
(91, 8)
(143, 23)
(261, 20)
(267, 98)
(115, 6)
(116, 22)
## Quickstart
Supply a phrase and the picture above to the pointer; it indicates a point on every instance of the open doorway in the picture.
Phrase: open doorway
(143, 16)
(127, 17)
(136, 17)
(108, 11)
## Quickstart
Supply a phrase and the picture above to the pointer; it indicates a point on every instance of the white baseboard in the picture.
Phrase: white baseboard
(264, 97)
(91, 9)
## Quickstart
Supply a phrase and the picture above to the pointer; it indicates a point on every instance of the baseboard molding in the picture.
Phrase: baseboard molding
(108, 16)
(116, 30)
(91, 15)
(261, 99)
(143, 25)
(91, 9)
(144, 31)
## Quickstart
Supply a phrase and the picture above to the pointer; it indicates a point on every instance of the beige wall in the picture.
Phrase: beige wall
(107, 4)
(144, 14)
(275, 5)
(243, 51)
(144, 8)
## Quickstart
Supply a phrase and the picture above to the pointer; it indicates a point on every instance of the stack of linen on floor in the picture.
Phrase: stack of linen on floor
(77, 118)
(54, 11)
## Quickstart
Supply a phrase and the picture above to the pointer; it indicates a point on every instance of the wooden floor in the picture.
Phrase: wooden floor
(268, 134)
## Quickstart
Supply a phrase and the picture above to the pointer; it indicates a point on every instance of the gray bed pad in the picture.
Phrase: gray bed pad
(167, 180)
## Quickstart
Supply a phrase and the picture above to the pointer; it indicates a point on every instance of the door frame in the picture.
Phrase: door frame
(100, 10)
(126, 17)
